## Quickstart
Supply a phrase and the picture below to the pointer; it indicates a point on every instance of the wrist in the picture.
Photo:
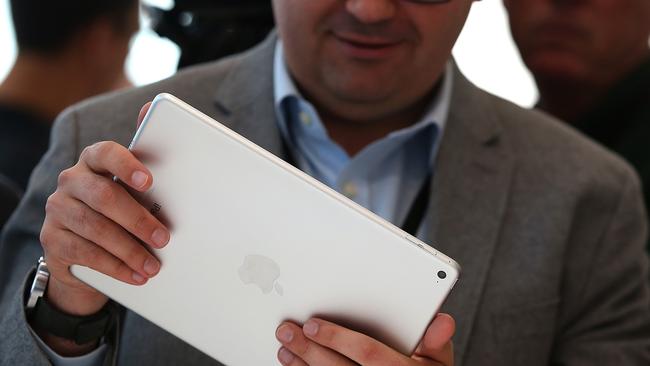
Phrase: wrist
(71, 335)
(70, 320)
(74, 300)
(66, 347)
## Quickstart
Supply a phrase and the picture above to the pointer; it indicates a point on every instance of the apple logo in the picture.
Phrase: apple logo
(262, 272)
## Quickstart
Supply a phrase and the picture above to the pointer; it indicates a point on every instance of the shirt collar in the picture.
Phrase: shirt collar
(283, 85)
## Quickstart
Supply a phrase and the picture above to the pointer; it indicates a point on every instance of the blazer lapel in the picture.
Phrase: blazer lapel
(244, 99)
(470, 192)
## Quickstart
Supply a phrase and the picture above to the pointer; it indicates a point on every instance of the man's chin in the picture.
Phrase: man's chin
(557, 66)
(361, 94)
(361, 83)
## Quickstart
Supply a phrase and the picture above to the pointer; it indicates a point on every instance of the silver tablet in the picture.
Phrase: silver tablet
(255, 241)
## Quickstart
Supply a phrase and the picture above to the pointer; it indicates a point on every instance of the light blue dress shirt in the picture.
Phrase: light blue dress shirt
(386, 176)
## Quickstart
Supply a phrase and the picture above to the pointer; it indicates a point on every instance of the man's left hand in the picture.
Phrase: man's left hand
(320, 342)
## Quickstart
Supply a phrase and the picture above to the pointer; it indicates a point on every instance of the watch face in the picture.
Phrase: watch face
(39, 284)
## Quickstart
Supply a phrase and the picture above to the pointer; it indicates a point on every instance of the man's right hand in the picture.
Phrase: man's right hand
(93, 221)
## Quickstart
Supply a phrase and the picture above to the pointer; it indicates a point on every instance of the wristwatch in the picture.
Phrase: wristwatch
(80, 329)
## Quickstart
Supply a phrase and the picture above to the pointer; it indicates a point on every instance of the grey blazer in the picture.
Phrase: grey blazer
(548, 227)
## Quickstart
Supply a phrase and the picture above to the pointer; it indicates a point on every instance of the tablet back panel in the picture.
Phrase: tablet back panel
(255, 241)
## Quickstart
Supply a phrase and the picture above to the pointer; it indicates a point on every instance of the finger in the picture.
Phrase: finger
(111, 158)
(287, 358)
(437, 344)
(96, 228)
(64, 248)
(292, 337)
(354, 345)
(115, 203)
(143, 113)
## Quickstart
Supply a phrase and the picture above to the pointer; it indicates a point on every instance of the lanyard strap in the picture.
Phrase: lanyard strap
(418, 208)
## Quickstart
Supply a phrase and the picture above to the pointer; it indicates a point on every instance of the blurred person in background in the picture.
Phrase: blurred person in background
(68, 50)
(207, 30)
(591, 62)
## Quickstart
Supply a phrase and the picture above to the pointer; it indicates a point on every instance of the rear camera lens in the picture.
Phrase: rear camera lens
(442, 275)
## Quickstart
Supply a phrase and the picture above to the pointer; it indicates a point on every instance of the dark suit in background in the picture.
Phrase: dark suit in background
(621, 121)
(23, 141)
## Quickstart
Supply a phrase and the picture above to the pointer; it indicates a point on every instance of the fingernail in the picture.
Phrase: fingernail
(285, 334)
(285, 356)
(139, 179)
(151, 266)
(310, 328)
(137, 278)
(160, 237)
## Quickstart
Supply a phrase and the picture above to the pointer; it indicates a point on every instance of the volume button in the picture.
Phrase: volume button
(422, 246)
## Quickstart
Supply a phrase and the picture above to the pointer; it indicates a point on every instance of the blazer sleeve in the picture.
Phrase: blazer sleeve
(20, 245)
(606, 319)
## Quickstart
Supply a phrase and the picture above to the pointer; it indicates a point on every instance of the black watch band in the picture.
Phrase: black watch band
(80, 329)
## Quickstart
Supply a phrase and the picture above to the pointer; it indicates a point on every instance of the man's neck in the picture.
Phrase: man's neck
(571, 99)
(44, 85)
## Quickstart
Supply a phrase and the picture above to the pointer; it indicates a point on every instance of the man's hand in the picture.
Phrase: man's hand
(319, 342)
(93, 221)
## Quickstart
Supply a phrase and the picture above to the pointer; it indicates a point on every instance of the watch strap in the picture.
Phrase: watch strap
(80, 329)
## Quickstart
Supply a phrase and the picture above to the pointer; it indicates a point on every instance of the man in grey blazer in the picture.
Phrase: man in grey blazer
(548, 226)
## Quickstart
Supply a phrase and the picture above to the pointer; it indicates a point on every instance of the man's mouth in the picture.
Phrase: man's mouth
(366, 41)
(366, 47)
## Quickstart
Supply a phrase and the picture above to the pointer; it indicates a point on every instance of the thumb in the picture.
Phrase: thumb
(143, 112)
(436, 344)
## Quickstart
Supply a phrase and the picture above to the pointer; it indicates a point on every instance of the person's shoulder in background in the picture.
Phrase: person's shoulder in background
(553, 150)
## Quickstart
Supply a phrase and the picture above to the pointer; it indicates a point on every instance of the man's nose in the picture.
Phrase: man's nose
(371, 11)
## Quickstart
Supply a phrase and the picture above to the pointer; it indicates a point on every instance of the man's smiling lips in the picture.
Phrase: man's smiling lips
(365, 47)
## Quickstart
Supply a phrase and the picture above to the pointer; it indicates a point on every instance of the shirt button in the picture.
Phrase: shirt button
(350, 190)
(305, 119)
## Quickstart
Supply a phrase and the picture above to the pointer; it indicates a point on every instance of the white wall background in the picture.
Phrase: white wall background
(487, 55)
(484, 52)
(7, 43)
